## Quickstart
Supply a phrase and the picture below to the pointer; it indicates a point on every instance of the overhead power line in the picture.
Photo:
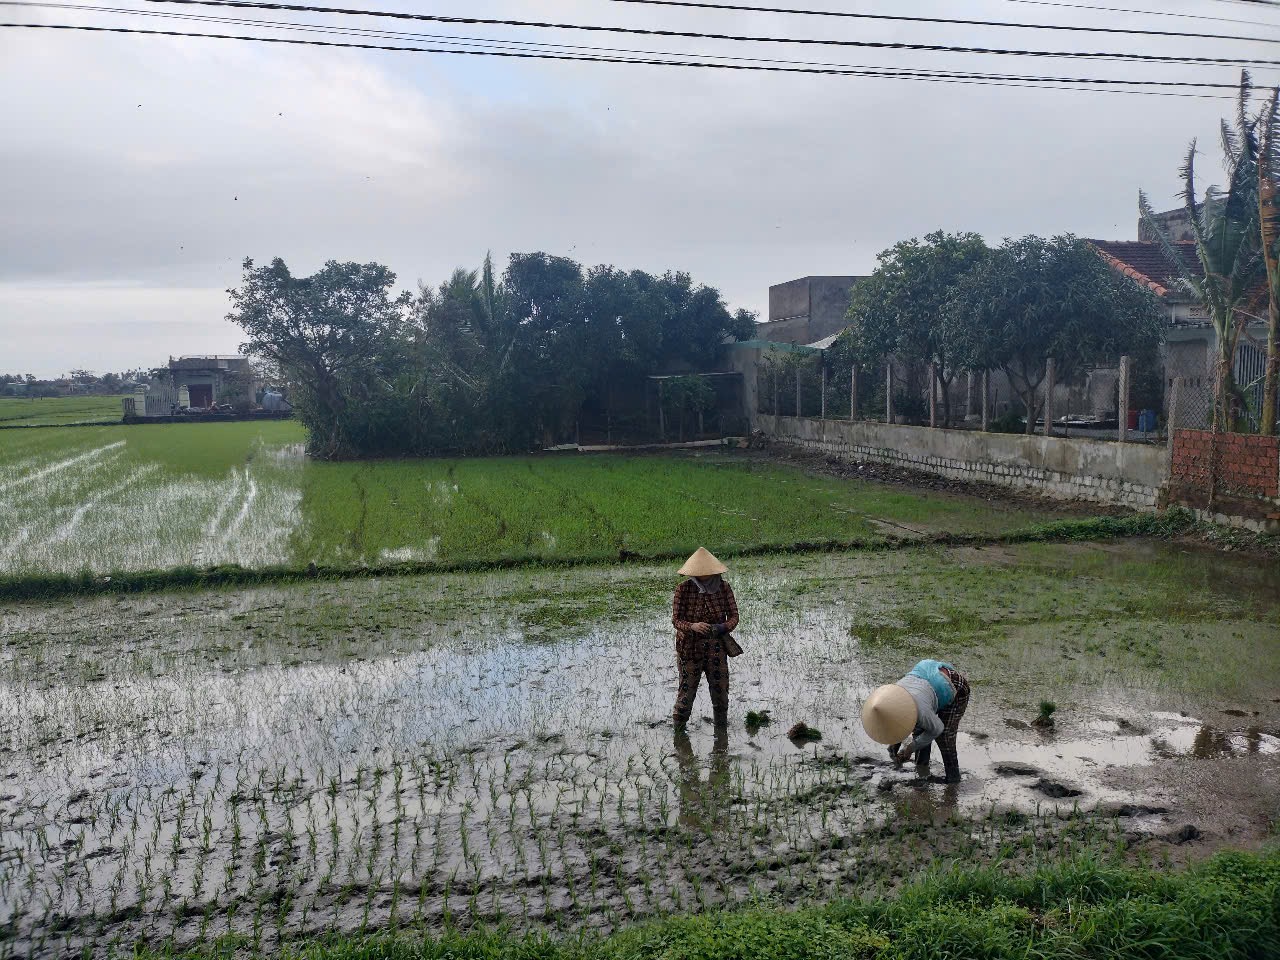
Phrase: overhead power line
(1049, 83)
(654, 32)
(949, 21)
(492, 43)
(1062, 4)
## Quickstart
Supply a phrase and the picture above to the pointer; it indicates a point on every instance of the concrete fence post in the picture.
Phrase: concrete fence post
(853, 392)
(662, 415)
(798, 390)
(1049, 385)
(1171, 418)
(888, 391)
(968, 394)
(986, 398)
(823, 406)
(773, 375)
(1122, 401)
(933, 394)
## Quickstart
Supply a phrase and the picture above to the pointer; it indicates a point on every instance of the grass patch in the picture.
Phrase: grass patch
(59, 411)
(49, 586)
(1227, 908)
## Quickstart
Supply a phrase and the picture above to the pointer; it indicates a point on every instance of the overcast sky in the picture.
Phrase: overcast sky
(136, 173)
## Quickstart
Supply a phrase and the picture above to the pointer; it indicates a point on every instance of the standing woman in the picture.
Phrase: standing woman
(704, 612)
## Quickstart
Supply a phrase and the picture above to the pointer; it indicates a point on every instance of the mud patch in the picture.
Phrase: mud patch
(494, 749)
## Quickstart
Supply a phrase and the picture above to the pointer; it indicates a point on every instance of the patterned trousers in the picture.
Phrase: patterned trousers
(694, 657)
(950, 716)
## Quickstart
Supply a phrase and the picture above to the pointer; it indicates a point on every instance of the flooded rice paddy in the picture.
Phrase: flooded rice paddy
(277, 763)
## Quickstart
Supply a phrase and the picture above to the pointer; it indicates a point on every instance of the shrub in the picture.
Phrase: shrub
(1010, 422)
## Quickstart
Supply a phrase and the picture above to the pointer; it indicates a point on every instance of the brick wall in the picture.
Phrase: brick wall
(1248, 466)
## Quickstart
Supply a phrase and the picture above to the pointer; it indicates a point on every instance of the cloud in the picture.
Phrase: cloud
(149, 167)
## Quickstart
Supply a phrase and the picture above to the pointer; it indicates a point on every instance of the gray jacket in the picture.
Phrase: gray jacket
(929, 725)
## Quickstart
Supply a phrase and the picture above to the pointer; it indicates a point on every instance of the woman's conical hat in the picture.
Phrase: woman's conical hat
(702, 564)
(889, 714)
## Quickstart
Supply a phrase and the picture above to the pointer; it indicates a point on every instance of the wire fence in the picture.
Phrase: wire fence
(919, 393)
(1211, 464)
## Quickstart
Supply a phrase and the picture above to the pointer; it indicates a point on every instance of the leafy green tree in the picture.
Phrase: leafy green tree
(1034, 299)
(687, 396)
(899, 309)
(336, 335)
(476, 364)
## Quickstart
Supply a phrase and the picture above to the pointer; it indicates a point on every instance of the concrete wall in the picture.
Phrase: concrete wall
(1176, 224)
(790, 299)
(806, 310)
(794, 330)
(828, 305)
(1124, 474)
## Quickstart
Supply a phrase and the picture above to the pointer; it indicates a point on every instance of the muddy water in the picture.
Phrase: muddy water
(365, 756)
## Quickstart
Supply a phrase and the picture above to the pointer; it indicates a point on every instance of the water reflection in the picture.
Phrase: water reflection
(703, 804)
(1208, 742)
(928, 803)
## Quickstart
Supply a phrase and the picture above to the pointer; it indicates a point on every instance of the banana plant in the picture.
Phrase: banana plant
(1228, 241)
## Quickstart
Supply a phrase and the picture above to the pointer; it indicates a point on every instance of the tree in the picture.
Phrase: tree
(1034, 299)
(1228, 240)
(687, 395)
(333, 333)
(899, 308)
(695, 320)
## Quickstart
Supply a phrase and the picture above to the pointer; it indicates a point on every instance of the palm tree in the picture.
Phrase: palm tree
(1228, 245)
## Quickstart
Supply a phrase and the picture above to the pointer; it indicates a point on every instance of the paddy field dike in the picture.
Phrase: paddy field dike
(422, 708)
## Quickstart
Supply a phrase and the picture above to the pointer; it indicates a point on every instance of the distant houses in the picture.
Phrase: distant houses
(209, 384)
(808, 313)
(207, 379)
(807, 310)
(1190, 341)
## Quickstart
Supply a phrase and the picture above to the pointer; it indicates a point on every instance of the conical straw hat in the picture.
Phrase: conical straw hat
(702, 564)
(889, 714)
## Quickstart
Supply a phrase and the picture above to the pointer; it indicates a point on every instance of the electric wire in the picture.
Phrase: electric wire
(689, 34)
(948, 21)
(507, 43)
(1146, 13)
(1047, 83)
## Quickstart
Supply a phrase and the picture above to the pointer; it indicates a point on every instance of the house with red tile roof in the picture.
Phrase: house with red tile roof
(1190, 341)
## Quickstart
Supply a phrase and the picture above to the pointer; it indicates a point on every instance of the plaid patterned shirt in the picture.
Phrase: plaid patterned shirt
(690, 606)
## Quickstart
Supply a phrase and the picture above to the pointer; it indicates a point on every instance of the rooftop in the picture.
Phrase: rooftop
(1147, 263)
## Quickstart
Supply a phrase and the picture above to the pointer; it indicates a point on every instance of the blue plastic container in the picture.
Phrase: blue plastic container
(1147, 421)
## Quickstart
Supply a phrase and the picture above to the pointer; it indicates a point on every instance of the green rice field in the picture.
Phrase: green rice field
(112, 499)
(57, 411)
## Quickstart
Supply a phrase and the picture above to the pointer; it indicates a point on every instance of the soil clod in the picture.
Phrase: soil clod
(1016, 770)
(1055, 790)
